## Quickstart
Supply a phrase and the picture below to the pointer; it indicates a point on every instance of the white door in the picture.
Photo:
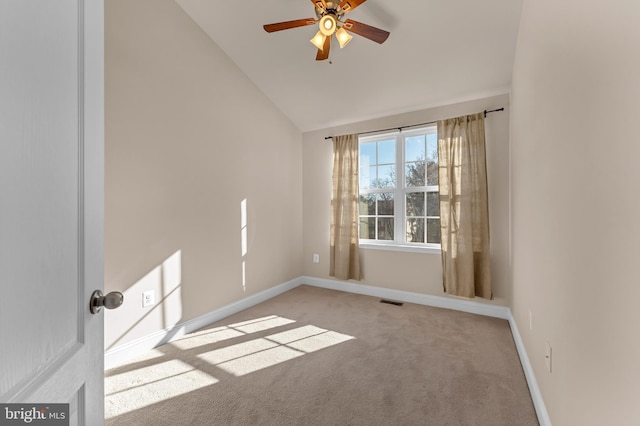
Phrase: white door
(51, 204)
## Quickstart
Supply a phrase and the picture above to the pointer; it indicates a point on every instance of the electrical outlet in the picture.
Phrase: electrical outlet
(316, 258)
(547, 356)
(148, 298)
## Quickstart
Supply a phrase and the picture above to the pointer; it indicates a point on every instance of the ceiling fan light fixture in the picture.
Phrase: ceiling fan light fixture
(343, 37)
(328, 17)
(318, 40)
(328, 24)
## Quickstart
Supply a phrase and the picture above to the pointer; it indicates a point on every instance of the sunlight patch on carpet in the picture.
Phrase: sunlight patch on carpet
(261, 324)
(142, 387)
(212, 336)
(227, 332)
(115, 383)
(248, 357)
(147, 356)
(237, 351)
(259, 360)
(310, 338)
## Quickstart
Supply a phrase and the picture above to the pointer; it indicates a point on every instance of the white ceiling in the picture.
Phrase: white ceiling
(439, 52)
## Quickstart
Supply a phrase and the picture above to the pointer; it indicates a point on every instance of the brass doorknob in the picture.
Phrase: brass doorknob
(110, 301)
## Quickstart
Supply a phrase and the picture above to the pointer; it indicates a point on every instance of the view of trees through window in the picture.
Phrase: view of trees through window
(399, 199)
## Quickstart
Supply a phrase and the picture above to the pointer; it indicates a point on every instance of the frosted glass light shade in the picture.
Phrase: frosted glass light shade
(343, 37)
(318, 40)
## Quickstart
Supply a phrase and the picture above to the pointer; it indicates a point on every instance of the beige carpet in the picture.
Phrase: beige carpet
(321, 357)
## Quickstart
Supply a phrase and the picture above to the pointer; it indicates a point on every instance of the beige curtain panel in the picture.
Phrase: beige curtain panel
(344, 248)
(464, 207)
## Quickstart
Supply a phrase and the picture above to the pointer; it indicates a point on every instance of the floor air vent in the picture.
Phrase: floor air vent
(391, 302)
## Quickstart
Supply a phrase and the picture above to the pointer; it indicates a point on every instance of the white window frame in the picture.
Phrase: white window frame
(400, 191)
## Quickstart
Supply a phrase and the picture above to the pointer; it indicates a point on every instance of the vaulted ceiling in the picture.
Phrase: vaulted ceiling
(439, 52)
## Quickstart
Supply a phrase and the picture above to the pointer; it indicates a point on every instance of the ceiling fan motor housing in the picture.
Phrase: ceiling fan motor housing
(330, 9)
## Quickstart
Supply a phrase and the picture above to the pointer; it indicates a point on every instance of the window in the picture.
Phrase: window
(399, 202)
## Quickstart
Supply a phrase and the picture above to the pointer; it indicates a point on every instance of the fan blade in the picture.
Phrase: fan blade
(288, 24)
(319, 4)
(366, 31)
(324, 52)
(348, 5)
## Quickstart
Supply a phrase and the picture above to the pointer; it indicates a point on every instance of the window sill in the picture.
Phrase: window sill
(400, 247)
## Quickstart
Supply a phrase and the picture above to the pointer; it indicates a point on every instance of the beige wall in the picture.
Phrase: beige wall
(188, 138)
(576, 209)
(415, 272)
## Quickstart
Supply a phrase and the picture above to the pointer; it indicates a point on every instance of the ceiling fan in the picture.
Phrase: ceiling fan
(329, 16)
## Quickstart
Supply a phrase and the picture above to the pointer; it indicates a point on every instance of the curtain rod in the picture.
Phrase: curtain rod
(412, 125)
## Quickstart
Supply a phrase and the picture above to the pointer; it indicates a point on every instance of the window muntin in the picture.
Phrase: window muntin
(378, 184)
(399, 202)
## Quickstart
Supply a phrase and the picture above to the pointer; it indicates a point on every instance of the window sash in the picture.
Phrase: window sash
(401, 190)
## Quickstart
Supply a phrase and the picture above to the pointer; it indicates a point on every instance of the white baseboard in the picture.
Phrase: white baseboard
(123, 353)
(536, 396)
(485, 309)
